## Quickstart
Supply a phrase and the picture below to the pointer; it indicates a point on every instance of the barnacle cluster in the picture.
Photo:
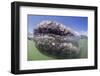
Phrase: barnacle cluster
(55, 40)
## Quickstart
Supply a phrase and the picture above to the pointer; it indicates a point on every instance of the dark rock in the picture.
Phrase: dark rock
(56, 40)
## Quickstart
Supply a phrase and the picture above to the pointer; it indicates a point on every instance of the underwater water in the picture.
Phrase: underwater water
(35, 54)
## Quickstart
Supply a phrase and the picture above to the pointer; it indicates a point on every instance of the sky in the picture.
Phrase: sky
(79, 24)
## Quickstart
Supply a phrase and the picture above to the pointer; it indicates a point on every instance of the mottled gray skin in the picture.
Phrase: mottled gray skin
(57, 46)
